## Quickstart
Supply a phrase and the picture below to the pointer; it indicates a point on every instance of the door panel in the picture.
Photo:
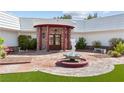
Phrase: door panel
(55, 41)
(51, 39)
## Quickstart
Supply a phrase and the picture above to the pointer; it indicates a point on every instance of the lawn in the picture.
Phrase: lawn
(116, 75)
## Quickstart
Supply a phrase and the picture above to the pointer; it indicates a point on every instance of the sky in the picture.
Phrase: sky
(52, 14)
(36, 14)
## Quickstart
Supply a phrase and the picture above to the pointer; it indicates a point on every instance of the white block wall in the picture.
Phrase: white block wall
(105, 23)
(29, 23)
(103, 37)
(100, 24)
(32, 34)
(10, 37)
(9, 21)
(26, 24)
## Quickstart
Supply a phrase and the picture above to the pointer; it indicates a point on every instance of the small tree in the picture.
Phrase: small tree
(64, 17)
(95, 15)
(81, 44)
(89, 17)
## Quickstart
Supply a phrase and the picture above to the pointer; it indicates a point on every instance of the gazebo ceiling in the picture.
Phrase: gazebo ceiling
(54, 25)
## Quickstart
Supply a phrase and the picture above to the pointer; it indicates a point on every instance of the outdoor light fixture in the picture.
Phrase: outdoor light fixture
(55, 31)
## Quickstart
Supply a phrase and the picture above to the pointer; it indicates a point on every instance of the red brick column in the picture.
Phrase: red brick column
(47, 38)
(68, 38)
(64, 39)
(37, 38)
(40, 38)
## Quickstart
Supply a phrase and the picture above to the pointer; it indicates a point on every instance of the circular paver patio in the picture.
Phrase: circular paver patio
(91, 70)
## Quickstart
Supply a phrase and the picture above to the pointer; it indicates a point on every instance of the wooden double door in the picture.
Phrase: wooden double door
(55, 41)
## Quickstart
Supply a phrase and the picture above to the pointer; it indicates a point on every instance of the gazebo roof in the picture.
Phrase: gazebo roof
(54, 25)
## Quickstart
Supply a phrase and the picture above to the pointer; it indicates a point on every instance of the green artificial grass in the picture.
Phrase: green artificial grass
(116, 75)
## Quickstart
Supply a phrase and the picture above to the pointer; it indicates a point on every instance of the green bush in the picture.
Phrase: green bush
(81, 44)
(114, 53)
(33, 44)
(114, 41)
(119, 48)
(96, 44)
(2, 51)
(26, 42)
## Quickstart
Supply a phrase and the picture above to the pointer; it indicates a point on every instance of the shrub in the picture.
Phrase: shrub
(24, 41)
(96, 44)
(2, 51)
(81, 44)
(118, 50)
(114, 53)
(114, 41)
(33, 44)
(119, 47)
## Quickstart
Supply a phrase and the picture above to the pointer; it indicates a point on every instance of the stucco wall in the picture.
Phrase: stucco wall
(104, 37)
(11, 37)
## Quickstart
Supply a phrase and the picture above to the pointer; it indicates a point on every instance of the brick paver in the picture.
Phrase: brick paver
(45, 61)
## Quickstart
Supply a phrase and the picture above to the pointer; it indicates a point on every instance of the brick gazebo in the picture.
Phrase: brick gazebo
(53, 36)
